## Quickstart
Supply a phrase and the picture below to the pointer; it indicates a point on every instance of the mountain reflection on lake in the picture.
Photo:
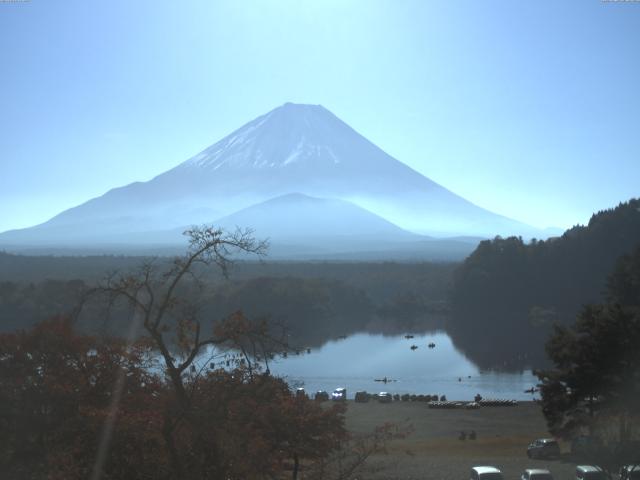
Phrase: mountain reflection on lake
(356, 361)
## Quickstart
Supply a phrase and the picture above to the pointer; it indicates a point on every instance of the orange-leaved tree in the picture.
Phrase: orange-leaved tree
(57, 392)
(60, 391)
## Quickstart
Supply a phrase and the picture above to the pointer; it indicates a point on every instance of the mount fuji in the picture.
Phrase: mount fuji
(293, 149)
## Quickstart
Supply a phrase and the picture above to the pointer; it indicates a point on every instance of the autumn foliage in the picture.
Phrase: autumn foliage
(76, 407)
(55, 392)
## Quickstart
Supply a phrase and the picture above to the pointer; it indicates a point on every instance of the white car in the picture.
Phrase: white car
(486, 473)
(536, 474)
(339, 394)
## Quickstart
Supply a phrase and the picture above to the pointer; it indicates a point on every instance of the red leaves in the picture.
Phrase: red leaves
(261, 424)
(56, 388)
(57, 391)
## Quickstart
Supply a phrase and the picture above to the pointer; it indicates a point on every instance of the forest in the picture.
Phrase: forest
(507, 295)
(317, 301)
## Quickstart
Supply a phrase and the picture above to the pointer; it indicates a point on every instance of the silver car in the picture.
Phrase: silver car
(590, 472)
(543, 448)
(486, 473)
(385, 397)
(536, 474)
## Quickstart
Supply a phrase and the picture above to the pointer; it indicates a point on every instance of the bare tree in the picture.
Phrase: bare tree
(161, 312)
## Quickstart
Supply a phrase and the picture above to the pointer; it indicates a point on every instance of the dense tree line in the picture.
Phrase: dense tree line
(22, 305)
(508, 294)
(382, 281)
(315, 309)
(34, 268)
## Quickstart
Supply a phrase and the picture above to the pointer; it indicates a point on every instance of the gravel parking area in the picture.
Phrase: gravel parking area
(433, 450)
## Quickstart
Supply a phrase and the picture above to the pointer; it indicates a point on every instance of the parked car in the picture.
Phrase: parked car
(300, 393)
(339, 394)
(321, 396)
(362, 397)
(486, 473)
(536, 474)
(543, 448)
(630, 472)
(385, 397)
(590, 472)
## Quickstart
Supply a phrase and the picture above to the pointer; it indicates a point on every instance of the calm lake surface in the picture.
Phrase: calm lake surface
(355, 363)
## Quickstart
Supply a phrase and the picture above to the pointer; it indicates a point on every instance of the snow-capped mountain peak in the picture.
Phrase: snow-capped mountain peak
(293, 148)
(289, 135)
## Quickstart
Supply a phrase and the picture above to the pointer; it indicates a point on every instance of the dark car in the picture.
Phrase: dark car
(322, 396)
(361, 397)
(543, 448)
(630, 472)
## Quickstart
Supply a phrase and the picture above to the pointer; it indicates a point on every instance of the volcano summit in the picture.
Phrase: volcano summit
(293, 149)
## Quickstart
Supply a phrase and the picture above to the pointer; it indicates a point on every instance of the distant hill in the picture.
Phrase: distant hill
(301, 226)
(298, 227)
(296, 216)
(507, 294)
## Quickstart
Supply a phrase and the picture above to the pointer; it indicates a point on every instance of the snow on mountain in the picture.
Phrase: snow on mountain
(290, 134)
(293, 148)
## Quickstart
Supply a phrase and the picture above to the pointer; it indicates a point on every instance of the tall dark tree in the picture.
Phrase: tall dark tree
(596, 379)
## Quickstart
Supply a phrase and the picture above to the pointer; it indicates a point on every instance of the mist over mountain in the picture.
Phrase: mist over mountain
(311, 220)
(300, 226)
(293, 149)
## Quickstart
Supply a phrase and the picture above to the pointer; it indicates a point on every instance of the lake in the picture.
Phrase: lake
(356, 361)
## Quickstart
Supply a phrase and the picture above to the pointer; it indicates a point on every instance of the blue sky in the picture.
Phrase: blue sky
(530, 108)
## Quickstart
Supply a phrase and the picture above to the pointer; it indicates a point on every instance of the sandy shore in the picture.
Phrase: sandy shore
(433, 451)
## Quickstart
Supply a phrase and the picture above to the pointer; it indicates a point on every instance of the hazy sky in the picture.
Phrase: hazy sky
(529, 108)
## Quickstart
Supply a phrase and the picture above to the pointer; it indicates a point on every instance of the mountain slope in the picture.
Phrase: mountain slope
(293, 148)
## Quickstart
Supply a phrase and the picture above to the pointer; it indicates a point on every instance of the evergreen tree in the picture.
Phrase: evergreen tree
(596, 379)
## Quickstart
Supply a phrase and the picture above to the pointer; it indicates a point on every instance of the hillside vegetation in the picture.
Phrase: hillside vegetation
(317, 301)
(507, 294)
